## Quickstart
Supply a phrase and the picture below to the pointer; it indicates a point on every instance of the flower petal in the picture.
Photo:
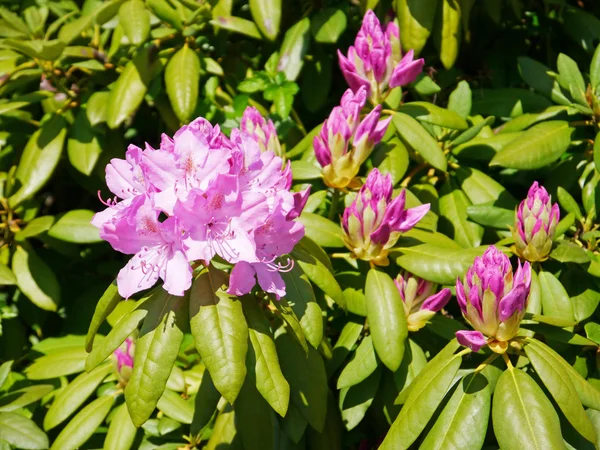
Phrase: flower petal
(471, 339)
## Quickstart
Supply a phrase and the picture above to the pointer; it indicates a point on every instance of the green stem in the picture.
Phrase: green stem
(335, 200)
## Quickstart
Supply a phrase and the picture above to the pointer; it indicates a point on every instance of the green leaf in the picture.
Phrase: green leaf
(266, 370)
(306, 143)
(46, 50)
(356, 400)
(308, 381)
(460, 100)
(320, 275)
(22, 397)
(483, 148)
(467, 409)
(84, 424)
(416, 137)
(392, 157)
(434, 263)
(155, 353)
(7, 277)
(481, 188)
(293, 49)
(128, 92)
(21, 432)
(248, 407)
(491, 216)
(237, 25)
(291, 319)
(328, 24)
(557, 381)
(135, 21)
(35, 279)
(304, 170)
(430, 113)
(568, 203)
(175, 407)
(426, 392)
(507, 102)
(182, 77)
(453, 217)
(267, 16)
(282, 97)
(448, 32)
(107, 303)
(220, 333)
(5, 371)
(321, 230)
(387, 319)
(84, 146)
(416, 19)
(558, 334)
(473, 131)
(166, 13)
(570, 77)
(361, 366)
(57, 364)
(121, 431)
(39, 159)
(348, 337)
(75, 226)
(69, 399)
(595, 68)
(413, 363)
(205, 403)
(555, 300)
(537, 147)
(569, 252)
(520, 404)
(330, 437)
(96, 107)
(537, 76)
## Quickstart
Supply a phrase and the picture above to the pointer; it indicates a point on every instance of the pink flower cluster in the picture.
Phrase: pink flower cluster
(198, 196)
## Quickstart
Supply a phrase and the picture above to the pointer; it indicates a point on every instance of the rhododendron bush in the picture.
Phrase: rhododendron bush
(299, 225)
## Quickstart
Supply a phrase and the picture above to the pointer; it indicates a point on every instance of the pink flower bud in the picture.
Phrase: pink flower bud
(263, 131)
(493, 300)
(374, 221)
(535, 224)
(124, 360)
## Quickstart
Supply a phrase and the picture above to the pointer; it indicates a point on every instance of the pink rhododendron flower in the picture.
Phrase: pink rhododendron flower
(201, 195)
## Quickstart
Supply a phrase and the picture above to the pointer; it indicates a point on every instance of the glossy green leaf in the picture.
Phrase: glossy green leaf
(448, 32)
(392, 157)
(266, 370)
(96, 107)
(426, 393)
(481, 188)
(155, 353)
(83, 145)
(570, 78)
(537, 147)
(304, 170)
(536, 75)
(182, 78)
(46, 50)
(355, 400)
(205, 403)
(21, 432)
(460, 100)
(430, 113)
(569, 252)
(491, 216)
(293, 49)
(415, 19)
(7, 277)
(267, 16)
(308, 381)
(520, 404)
(220, 333)
(57, 364)
(74, 395)
(413, 362)
(135, 21)
(567, 202)
(5, 371)
(482, 148)
(121, 431)
(75, 226)
(348, 337)
(321, 230)
(20, 398)
(328, 24)
(595, 69)
(330, 437)
(165, 12)
(39, 159)
(467, 409)
(175, 407)
(107, 303)
(555, 300)
(83, 425)
(35, 279)
(361, 366)
(386, 318)
(416, 137)
(237, 25)
(319, 274)
(128, 91)
(292, 321)
(249, 406)
(453, 217)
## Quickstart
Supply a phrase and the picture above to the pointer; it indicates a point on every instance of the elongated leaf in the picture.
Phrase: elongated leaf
(21, 432)
(356, 400)
(83, 425)
(520, 404)
(220, 333)
(5, 371)
(74, 395)
(36, 279)
(481, 188)
(415, 18)
(266, 370)
(237, 25)
(291, 319)
(361, 366)
(293, 48)
(460, 101)
(319, 274)
(107, 303)
(135, 21)
(557, 380)
(448, 32)
(321, 230)
(47, 50)
(303, 170)
(392, 157)
(165, 12)
(536, 75)
(307, 378)
(386, 318)
(413, 363)
(430, 113)
(555, 300)
(415, 136)
(182, 77)
(75, 226)
(7, 277)
(205, 403)
(468, 409)
(537, 147)
(24, 396)
(300, 296)
(121, 431)
(491, 216)
(84, 146)
(453, 217)
(267, 16)
(248, 406)
(39, 159)
(155, 353)
(128, 92)
(328, 24)
(176, 407)
(348, 337)
(426, 393)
